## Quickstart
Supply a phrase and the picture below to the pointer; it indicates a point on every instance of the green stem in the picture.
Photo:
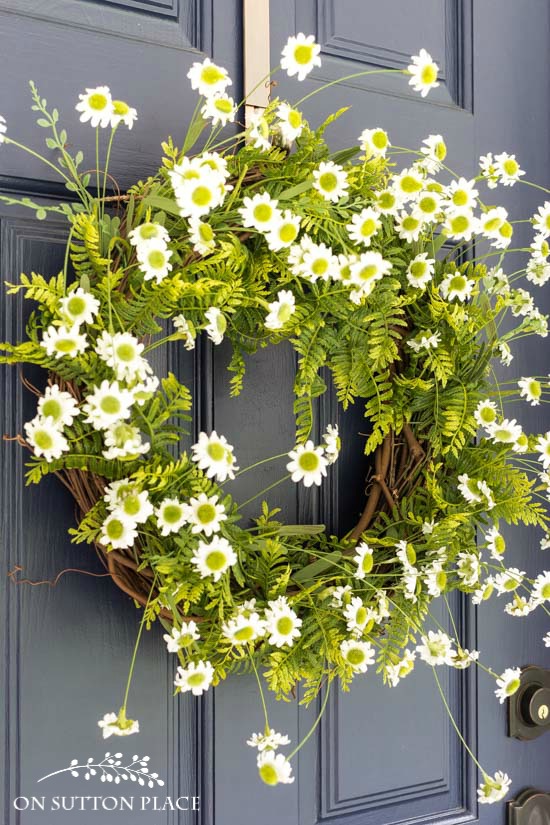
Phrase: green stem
(38, 157)
(347, 77)
(258, 463)
(265, 490)
(314, 726)
(455, 726)
(262, 697)
(140, 631)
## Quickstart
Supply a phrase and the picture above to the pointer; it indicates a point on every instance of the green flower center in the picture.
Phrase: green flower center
(441, 579)
(131, 505)
(368, 227)
(440, 150)
(386, 200)
(367, 563)
(492, 224)
(511, 584)
(287, 232)
(52, 409)
(309, 461)
(294, 118)
(355, 656)
(223, 105)
(459, 223)
(460, 197)
(216, 451)
(115, 528)
(206, 233)
(502, 435)
(97, 101)
(285, 625)
(418, 268)
(411, 554)
(368, 272)
(328, 181)
(206, 513)
(410, 224)
(512, 686)
(123, 433)
(211, 75)
(268, 774)
(148, 231)
(43, 439)
(171, 513)
(263, 212)
(545, 591)
(319, 266)
(487, 592)
(126, 352)
(457, 283)
(488, 415)
(110, 405)
(429, 74)
(76, 306)
(361, 616)
(201, 196)
(195, 679)
(303, 54)
(216, 560)
(409, 184)
(284, 313)
(427, 204)
(156, 259)
(379, 139)
(121, 108)
(244, 634)
(499, 545)
(65, 344)
(511, 167)
(506, 230)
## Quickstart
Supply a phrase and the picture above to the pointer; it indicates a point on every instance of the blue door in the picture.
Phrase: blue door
(380, 757)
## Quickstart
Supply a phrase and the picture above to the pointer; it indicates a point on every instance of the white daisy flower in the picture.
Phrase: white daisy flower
(387, 201)
(507, 169)
(258, 132)
(461, 194)
(244, 628)
(331, 443)
(113, 725)
(123, 440)
(486, 414)
(181, 637)
(546, 640)
(436, 648)
(428, 527)
(220, 109)
(268, 741)
(122, 352)
(364, 226)
(469, 488)
(45, 438)
(195, 677)
(96, 106)
(435, 579)
(282, 623)
(63, 341)
(79, 307)
(488, 169)
(374, 142)
(406, 554)
(423, 71)
(300, 55)
(125, 497)
(260, 212)
(496, 282)
(543, 446)
(496, 543)
(107, 405)
(331, 181)
(420, 271)
(274, 768)
(508, 581)
(521, 302)
(149, 233)
(506, 431)
(519, 606)
(214, 558)
(366, 270)
(408, 184)
(208, 78)
(425, 341)
(171, 515)
(483, 593)
(491, 221)
(505, 353)
(118, 532)
(357, 615)
(357, 654)
(411, 584)
(541, 219)
(154, 261)
(541, 587)
(59, 406)
(409, 226)
(531, 389)
(493, 789)
(456, 285)
(540, 248)
(338, 594)
(217, 324)
(364, 560)
(463, 658)
(428, 206)
(205, 514)
(468, 568)
(214, 162)
(508, 683)
(538, 323)
(197, 196)
(435, 152)
(123, 113)
(215, 456)
(285, 232)
(460, 224)
(297, 251)
(185, 330)
(486, 493)
(3, 128)
(307, 464)
(318, 262)
(290, 122)
(202, 236)
(402, 668)
(281, 310)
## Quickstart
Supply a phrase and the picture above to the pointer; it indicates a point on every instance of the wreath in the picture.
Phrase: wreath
(371, 273)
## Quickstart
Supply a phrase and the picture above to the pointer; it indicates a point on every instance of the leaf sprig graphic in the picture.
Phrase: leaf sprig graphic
(111, 769)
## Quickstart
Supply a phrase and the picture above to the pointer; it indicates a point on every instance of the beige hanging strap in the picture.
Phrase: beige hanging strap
(256, 56)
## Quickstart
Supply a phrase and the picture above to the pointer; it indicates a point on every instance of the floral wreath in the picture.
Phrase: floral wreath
(262, 237)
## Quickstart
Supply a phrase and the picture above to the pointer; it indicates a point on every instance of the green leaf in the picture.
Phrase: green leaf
(311, 571)
(193, 133)
(299, 189)
(165, 204)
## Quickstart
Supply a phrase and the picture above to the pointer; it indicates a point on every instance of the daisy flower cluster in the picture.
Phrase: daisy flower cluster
(98, 108)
